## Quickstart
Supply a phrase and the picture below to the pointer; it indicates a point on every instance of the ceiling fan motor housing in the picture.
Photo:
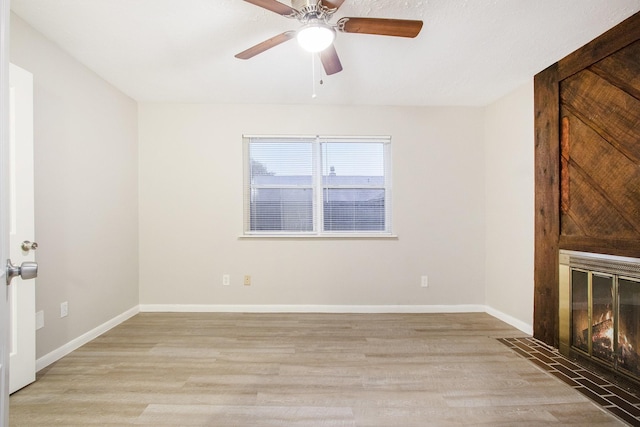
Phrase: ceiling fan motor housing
(309, 10)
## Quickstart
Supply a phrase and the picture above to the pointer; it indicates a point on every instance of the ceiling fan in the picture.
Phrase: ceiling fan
(317, 34)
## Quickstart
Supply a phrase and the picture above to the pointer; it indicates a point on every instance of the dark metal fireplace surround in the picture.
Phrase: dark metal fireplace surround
(599, 314)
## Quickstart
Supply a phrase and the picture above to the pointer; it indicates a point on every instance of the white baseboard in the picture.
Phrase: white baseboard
(260, 308)
(76, 343)
(516, 323)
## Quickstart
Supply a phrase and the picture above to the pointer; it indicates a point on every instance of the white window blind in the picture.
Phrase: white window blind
(317, 185)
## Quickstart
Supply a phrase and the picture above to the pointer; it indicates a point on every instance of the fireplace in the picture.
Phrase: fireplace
(599, 314)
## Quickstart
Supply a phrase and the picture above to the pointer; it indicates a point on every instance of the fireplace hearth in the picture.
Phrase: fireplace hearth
(600, 310)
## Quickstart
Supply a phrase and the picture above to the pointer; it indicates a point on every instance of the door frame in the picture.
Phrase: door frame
(4, 224)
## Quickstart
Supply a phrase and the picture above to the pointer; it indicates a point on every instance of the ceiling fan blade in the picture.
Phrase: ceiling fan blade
(330, 61)
(332, 4)
(267, 44)
(381, 26)
(274, 6)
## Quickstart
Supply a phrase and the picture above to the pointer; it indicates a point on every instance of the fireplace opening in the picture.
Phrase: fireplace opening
(603, 311)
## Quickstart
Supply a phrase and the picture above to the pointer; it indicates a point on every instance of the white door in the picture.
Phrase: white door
(4, 209)
(22, 294)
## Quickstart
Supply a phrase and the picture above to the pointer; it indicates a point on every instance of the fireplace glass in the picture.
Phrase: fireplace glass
(629, 325)
(580, 310)
(602, 317)
(592, 317)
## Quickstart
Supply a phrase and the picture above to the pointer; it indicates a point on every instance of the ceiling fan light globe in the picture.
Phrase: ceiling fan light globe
(315, 37)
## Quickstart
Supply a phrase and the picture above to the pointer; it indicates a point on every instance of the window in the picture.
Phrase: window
(317, 185)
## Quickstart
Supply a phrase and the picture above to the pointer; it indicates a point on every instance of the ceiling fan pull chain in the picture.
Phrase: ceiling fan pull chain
(313, 75)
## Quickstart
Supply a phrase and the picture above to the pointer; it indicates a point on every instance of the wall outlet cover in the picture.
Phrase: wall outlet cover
(424, 281)
(64, 309)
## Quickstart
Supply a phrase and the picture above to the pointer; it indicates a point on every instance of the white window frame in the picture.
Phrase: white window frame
(318, 188)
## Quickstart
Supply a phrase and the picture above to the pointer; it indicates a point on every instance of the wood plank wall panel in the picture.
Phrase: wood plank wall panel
(608, 172)
(621, 247)
(601, 122)
(620, 36)
(592, 210)
(610, 61)
(620, 68)
(547, 205)
(609, 110)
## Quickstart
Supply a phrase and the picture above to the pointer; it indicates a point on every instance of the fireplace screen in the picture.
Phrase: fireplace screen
(605, 318)
(580, 310)
(629, 325)
(602, 329)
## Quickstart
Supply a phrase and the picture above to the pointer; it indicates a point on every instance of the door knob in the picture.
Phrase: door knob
(29, 246)
(26, 270)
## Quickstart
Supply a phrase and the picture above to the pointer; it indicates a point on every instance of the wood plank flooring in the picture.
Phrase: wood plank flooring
(232, 369)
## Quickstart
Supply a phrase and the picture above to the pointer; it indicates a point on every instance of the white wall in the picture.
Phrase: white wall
(509, 162)
(85, 143)
(190, 173)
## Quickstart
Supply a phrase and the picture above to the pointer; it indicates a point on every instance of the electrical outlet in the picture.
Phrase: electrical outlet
(226, 280)
(39, 320)
(424, 281)
(247, 280)
(64, 309)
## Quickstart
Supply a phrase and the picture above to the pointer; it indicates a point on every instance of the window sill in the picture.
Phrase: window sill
(337, 236)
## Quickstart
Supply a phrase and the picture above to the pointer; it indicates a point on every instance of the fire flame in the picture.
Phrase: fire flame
(605, 337)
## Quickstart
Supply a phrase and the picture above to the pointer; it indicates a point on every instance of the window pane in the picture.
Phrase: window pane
(341, 159)
(281, 186)
(353, 186)
(351, 209)
(292, 162)
(281, 209)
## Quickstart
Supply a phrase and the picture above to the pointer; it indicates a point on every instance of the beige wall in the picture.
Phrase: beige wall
(190, 174)
(85, 143)
(509, 141)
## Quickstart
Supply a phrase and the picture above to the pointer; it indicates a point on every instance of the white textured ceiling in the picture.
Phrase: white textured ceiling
(470, 52)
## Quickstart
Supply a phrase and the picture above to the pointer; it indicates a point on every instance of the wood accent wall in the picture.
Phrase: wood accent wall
(587, 160)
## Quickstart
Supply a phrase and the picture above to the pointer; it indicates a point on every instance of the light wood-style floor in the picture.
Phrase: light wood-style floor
(213, 369)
